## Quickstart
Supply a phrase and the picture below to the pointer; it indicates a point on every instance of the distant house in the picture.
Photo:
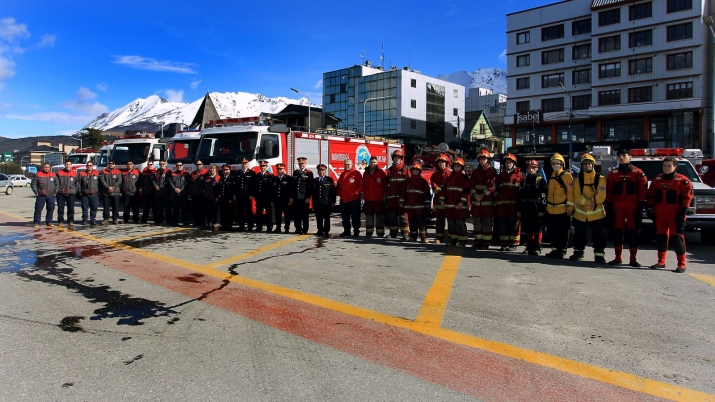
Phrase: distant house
(479, 132)
(296, 116)
(41, 152)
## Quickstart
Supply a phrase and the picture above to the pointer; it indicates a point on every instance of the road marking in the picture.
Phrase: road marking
(710, 280)
(231, 260)
(435, 303)
(144, 235)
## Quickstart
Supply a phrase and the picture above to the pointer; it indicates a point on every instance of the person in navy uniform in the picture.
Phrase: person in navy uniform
(262, 191)
(226, 197)
(302, 190)
(244, 178)
(282, 189)
(324, 197)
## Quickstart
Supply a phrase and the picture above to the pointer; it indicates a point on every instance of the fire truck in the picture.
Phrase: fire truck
(182, 148)
(142, 149)
(79, 158)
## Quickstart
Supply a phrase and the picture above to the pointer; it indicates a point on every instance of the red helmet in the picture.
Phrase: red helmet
(532, 162)
(442, 157)
(416, 165)
(510, 156)
(484, 153)
(458, 161)
(398, 153)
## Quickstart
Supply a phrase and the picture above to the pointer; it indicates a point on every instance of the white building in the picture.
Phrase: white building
(631, 71)
(481, 99)
(399, 103)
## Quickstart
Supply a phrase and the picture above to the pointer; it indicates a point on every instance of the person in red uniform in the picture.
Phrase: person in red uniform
(454, 199)
(68, 187)
(45, 186)
(374, 182)
(397, 176)
(198, 204)
(626, 189)
(507, 219)
(483, 187)
(130, 192)
(148, 192)
(437, 182)
(417, 199)
(349, 189)
(669, 195)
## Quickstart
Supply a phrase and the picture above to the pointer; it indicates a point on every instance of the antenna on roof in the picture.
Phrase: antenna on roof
(362, 57)
(382, 56)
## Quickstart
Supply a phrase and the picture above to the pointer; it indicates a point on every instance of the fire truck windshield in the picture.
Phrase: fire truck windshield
(227, 148)
(182, 151)
(77, 159)
(653, 168)
(136, 153)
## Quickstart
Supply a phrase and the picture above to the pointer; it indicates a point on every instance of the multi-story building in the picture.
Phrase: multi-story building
(493, 105)
(622, 70)
(398, 103)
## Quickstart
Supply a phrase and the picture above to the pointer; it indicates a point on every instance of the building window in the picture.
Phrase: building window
(640, 66)
(523, 107)
(523, 83)
(523, 60)
(413, 104)
(552, 80)
(456, 93)
(640, 38)
(640, 94)
(640, 11)
(581, 76)
(609, 70)
(581, 27)
(581, 102)
(523, 37)
(482, 128)
(581, 52)
(609, 97)
(455, 112)
(680, 32)
(552, 56)
(413, 83)
(680, 90)
(680, 60)
(679, 5)
(609, 17)
(552, 105)
(552, 32)
(413, 124)
(609, 44)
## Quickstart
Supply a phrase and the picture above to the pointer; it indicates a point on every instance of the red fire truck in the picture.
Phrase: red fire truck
(79, 158)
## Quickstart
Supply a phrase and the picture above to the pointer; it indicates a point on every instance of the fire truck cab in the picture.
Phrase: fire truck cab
(79, 158)
(142, 149)
(182, 148)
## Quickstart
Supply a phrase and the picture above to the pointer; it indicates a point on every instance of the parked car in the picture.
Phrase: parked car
(19, 180)
(6, 184)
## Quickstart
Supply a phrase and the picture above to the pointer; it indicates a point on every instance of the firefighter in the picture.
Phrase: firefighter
(397, 176)
(589, 193)
(507, 219)
(302, 182)
(130, 192)
(226, 196)
(559, 207)
(669, 196)
(437, 182)
(179, 183)
(483, 187)
(349, 189)
(148, 193)
(197, 200)
(244, 180)
(209, 192)
(626, 189)
(324, 196)
(89, 191)
(416, 201)
(68, 187)
(45, 186)
(374, 186)
(282, 191)
(111, 186)
(532, 206)
(454, 199)
(262, 192)
(162, 207)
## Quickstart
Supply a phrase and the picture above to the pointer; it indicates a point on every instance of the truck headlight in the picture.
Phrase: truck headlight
(705, 200)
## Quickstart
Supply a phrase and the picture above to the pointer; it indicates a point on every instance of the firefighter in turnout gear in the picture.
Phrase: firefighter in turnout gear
(483, 187)
(507, 219)
(559, 207)
(262, 192)
(302, 187)
(669, 195)
(589, 214)
(282, 191)
(417, 203)
(437, 182)
(397, 176)
(626, 190)
(454, 199)
(374, 187)
(532, 206)
(324, 197)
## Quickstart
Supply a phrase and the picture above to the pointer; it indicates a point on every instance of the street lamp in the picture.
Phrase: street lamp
(708, 20)
(570, 118)
(162, 128)
(364, 107)
(301, 93)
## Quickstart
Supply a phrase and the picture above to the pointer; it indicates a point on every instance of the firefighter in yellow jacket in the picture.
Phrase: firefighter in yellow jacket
(589, 194)
(559, 207)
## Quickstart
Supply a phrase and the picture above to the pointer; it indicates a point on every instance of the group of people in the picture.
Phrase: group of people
(397, 200)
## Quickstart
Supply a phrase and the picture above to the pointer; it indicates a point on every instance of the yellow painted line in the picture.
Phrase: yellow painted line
(435, 303)
(150, 234)
(231, 260)
(710, 280)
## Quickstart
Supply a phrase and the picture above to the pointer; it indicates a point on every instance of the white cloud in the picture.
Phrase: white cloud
(47, 41)
(9, 30)
(319, 84)
(502, 56)
(174, 96)
(84, 103)
(51, 117)
(146, 63)
(102, 87)
(195, 84)
(6, 68)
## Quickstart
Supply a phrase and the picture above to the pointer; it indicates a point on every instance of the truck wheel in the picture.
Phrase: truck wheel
(8, 190)
(707, 236)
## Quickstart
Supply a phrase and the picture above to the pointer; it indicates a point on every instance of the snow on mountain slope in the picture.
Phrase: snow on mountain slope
(492, 78)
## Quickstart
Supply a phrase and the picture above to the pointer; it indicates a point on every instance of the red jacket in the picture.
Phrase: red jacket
(147, 179)
(397, 176)
(438, 180)
(508, 192)
(626, 188)
(669, 196)
(417, 195)
(456, 191)
(374, 185)
(349, 185)
(196, 179)
(68, 184)
(45, 183)
(484, 181)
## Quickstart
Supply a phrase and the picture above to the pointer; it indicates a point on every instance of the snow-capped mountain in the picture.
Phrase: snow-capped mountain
(492, 78)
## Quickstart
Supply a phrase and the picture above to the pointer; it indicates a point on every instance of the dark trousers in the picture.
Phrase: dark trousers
(110, 200)
(148, 205)
(226, 214)
(301, 216)
(162, 208)
(42, 201)
(322, 216)
(198, 209)
(130, 204)
(418, 225)
(211, 215)
(90, 205)
(281, 208)
(180, 208)
(245, 212)
(558, 226)
(597, 235)
(350, 212)
(62, 201)
(264, 214)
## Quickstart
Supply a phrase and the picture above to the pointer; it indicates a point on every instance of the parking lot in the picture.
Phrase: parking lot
(155, 312)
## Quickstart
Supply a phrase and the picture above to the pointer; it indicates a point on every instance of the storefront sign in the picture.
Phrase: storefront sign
(532, 116)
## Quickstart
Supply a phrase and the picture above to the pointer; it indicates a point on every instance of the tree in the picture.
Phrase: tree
(92, 138)
(11, 168)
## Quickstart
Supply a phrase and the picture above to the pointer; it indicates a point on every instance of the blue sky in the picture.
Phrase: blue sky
(62, 63)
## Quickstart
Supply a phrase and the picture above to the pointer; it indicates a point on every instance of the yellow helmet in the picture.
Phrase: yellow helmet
(588, 158)
(559, 158)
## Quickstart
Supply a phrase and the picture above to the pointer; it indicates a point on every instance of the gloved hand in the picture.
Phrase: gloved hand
(680, 221)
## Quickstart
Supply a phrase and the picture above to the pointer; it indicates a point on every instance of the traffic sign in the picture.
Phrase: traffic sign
(32, 169)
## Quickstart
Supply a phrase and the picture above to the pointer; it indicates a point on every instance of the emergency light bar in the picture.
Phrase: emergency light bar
(84, 151)
(658, 152)
(132, 136)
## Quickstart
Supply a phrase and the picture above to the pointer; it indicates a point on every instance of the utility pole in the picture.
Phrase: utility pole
(570, 119)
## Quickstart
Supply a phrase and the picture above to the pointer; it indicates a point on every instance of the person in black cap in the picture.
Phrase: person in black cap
(262, 191)
(282, 191)
(302, 190)
(244, 178)
(324, 197)
(226, 197)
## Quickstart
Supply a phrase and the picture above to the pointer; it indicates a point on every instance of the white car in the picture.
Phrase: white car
(20, 180)
(5, 184)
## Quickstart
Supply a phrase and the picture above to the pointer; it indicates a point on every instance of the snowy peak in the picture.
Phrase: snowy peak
(492, 78)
